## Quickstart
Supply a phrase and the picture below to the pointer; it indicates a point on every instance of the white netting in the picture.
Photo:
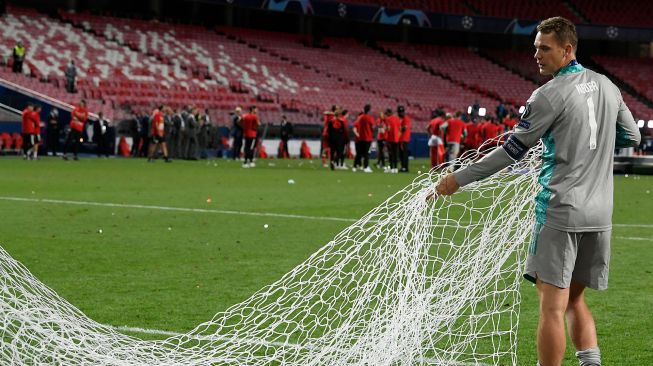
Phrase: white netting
(410, 283)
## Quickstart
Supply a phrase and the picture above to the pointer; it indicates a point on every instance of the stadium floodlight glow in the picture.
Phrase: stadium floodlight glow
(650, 123)
(482, 111)
(469, 110)
(521, 109)
(640, 123)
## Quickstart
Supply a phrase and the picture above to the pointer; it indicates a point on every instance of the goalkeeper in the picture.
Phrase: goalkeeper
(579, 115)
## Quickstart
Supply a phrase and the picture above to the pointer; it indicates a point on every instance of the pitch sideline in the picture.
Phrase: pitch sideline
(240, 213)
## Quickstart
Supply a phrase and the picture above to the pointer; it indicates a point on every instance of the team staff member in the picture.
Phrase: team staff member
(158, 134)
(380, 140)
(363, 132)
(393, 137)
(581, 117)
(404, 139)
(435, 138)
(27, 131)
(36, 121)
(454, 130)
(79, 116)
(250, 123)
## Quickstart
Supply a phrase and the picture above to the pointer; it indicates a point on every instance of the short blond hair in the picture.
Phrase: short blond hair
(563, 29)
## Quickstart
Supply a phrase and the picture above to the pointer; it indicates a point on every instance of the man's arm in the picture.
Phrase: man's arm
(627, 131)
(536, 120)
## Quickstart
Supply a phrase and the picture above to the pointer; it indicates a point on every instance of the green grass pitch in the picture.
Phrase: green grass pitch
(170, 270)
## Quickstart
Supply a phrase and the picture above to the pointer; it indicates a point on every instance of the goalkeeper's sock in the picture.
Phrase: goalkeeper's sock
(589, 357)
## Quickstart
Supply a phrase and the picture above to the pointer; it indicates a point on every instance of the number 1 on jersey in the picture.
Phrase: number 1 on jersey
(593, 127)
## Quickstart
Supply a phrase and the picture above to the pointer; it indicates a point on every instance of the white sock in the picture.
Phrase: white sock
(589, 357)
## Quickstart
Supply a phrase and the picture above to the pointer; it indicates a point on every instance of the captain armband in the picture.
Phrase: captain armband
(515, 148)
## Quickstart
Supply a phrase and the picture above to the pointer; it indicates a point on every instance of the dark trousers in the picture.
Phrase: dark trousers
(27, 142)
(337, 146)
(17, 66)
(284, 151)
(249, 149)
(359, 154)
(72, 140)
(237, 148)
(103, 146)
(362, 153)
(53, 140)
(380, 154)
(403, 151)
(393, 151)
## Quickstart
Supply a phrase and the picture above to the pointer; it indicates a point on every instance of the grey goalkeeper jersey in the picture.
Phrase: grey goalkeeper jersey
(580, 117)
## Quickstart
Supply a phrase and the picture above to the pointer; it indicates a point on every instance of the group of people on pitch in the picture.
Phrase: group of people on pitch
(392, 136)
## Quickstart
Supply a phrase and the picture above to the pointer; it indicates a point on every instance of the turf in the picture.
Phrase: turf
(170, 270)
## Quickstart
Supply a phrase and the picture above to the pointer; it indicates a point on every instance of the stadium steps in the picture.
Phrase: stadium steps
(513, 70)
(471, 7)
(574, 9)
(317, 70)
(430, 70)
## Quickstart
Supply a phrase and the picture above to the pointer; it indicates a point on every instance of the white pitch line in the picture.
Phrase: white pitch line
(223, 212)
(633, 238)
(181, 209)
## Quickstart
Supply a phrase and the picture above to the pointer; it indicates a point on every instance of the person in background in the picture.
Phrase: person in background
(285, 133)
(79, 116)
(36, 120)
(101, 136)
(237, 133)
(27, 131)
(404, 139)
(158, 135)
(18, 56)
(393, 124)
(380, 141)
(363, 132)
(336, 138)
(454, 131)
(435, 138)
(250, 123)
(52, 132)
(71, 75)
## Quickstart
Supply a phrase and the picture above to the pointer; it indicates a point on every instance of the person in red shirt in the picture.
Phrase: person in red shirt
(356, 128)
(325, 149)
(250, 123)
(404, 139)
(393, 137)
(473, 139)
(158, 134)
(36, 120)
(435, 138)
(380, 141)
(491, 130)
(79, 116)
(454, 130)
(363, 132)
(336, 131)
(27, 131)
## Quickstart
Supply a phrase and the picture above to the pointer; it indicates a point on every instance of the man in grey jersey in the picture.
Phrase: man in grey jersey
(580, 116)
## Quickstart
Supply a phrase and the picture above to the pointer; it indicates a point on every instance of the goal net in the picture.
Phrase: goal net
(412, 282)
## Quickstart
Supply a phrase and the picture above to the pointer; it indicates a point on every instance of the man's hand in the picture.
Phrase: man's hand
(445, 187)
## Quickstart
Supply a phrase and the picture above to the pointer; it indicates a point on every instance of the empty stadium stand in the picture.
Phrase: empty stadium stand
(128, 64)
(630, 13)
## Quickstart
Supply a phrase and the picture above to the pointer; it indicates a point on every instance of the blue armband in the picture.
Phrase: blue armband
(515, 148)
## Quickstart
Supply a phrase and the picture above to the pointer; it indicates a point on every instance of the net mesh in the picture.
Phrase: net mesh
(410, 283)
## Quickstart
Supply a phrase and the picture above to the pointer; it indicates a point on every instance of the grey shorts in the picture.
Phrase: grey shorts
(558, 257)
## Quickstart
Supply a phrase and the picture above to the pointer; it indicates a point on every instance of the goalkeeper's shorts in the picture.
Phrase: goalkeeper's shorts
(558, 257)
